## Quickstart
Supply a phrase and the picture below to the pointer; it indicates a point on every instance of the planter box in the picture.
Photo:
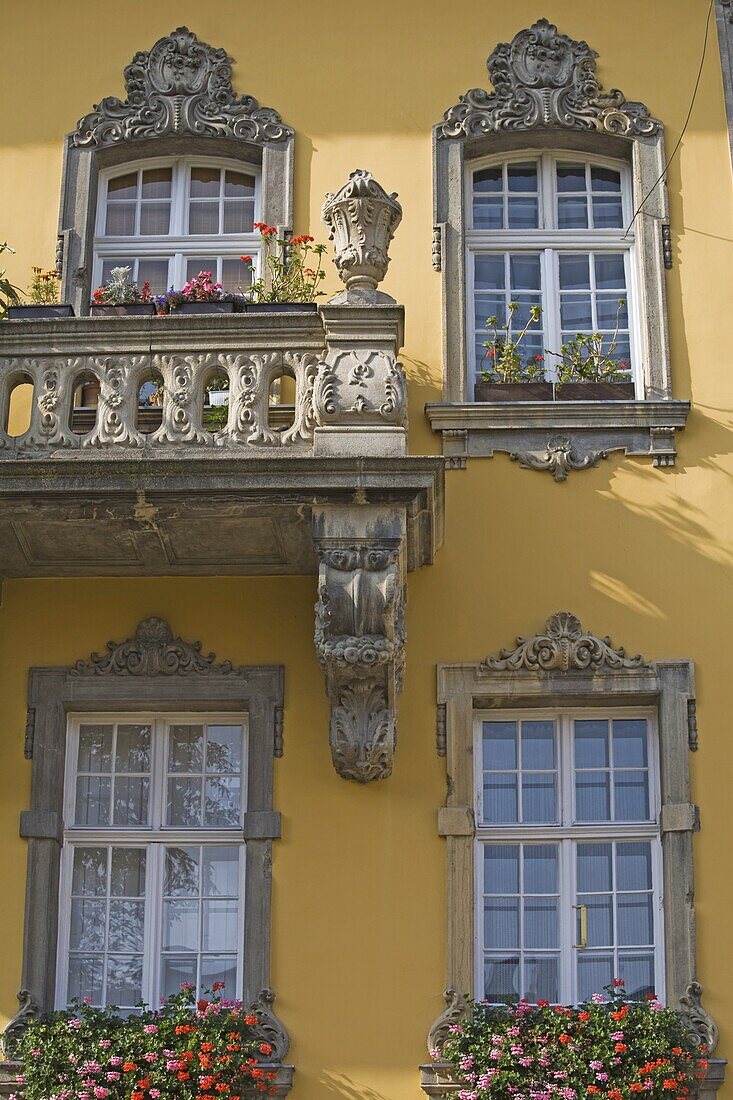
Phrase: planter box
(38, 313)
(281, 307)
(205, 307)
(135, 309)
(512, 391)
(217, 397)
(596, 391)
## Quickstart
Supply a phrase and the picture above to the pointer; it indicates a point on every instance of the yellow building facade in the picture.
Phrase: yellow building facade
(625, 523)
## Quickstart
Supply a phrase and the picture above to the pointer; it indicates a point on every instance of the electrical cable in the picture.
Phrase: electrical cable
(684, 128)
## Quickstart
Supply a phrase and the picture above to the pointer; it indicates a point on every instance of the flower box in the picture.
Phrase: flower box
(281, 307)
(134, 309)
(39, 313)
(217, 397)
(204, 307)
(596, 391)
(512, 391)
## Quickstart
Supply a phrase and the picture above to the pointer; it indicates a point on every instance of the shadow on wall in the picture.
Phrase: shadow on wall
(338, 1084)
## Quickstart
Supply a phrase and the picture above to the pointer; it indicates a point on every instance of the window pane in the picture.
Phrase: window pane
(92, 800)
(538, 744)
(523, 213)
(238, 185)
(574, 272)
(594, 867)
(634, 865)
(224, 749)
(538, 797)
(154, 218)
(540, 868)
(132, 752)
(489, 272)
(219, 926)
(130, 801)
(90, 872)
(126, 924)
(525, 272)
(87, 924)
(572, 213)
(631, 795)
(592, 796)
(501, 922)
(500, 797)
(180, 926)
(630, 743)
(184, 801)
(635, 924)
(186, 749)
(95, 749)
(219, 969)
(488, 179)
(541, 978)
(220, 871)
(600, 919)
(203, 218)
(157, 183)
(610, 311)
(610, 271)
(500, 745)
(124, 981)
(181, 872)
(571, 177)
(205, 183)
(154, 272)
(209, 264)
(488, 212)
(607, 213)
(605, 179)
(541, 923)
(501, 868)
(123, 187)
(522, 177)
(591, 743)
(594, 973)
(238, 217)
(120, 220)
(637, 970)
(86, 977)
(235, 276)
(576, 312)
(176, 971)
(222, 802)
(501, 979)
(128, 872)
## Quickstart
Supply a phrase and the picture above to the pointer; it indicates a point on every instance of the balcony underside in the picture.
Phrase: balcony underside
(202, 513)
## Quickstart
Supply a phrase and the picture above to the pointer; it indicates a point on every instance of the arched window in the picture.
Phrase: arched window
(170, 180)
(168, 219)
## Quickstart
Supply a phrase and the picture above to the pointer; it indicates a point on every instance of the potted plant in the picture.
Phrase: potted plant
(44, 299)
(9, 294)
(216, 409)
(510, 374)
(187, 1049)
(589, 371)
(608, 1048)
(293, 280)
(120, 296)
(200, 295)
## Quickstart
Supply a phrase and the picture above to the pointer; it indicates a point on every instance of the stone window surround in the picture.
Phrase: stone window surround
(80, 186)
(549, 671)
(527, 430)
(152, 671)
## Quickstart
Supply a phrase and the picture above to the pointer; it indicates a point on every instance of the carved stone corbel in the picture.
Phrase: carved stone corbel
(29, 1010)
(360, 641)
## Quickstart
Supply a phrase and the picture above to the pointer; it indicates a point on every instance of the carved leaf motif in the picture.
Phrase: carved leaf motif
(270, 1028)
(564, 646)
(182, 85)
(698, 1021)
(152, 652)
(457, 1008)
(559, 458)
(362, 732)
(29, 1010)
(543, 78)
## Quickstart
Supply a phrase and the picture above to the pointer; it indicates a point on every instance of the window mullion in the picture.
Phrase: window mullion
(552, 309)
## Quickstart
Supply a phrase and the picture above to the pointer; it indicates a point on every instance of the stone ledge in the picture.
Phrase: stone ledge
(558, 436)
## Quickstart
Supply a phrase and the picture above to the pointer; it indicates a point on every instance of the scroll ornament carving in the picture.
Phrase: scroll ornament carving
(152, 652)
(457, 1008)
(361, 219)
(360, 387)
(360, 641)
(270, 1029)
(543, 78)
(29, 1010)
(698, 1021)
(564, 647)
(181, 86)
(559, 458)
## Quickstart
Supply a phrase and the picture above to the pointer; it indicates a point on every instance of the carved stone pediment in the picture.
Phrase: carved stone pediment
(543, 78)
(180, 86)
(152, 652)
(564, 647)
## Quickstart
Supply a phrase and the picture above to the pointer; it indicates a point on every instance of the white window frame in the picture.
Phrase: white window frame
(154, 836)
(178, 246)
(549, 243)
(566, 833)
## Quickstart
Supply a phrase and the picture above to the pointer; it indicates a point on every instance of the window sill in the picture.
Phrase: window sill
(558, 436)
(439, 1080)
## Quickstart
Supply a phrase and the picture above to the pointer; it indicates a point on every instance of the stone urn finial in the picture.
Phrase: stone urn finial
(361, 220)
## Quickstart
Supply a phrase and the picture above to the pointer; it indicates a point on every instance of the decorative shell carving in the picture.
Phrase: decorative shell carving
(564, 647)
(152, 652)
(543, 78)
(181, 86)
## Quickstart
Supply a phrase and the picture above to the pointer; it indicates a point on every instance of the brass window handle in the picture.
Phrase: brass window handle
(583, 910)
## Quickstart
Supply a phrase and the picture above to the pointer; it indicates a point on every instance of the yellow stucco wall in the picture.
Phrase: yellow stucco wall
(642, 554)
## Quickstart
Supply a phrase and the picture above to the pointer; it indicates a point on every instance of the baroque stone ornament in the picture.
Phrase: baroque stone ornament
(698, 1021)
(270, 1028)
(545, 79)
(456, 1010)
(152, 652)
(564, 647)
(361, 219)
(360, 641)
(559, 458)
(180, 86)
(29, 1010)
